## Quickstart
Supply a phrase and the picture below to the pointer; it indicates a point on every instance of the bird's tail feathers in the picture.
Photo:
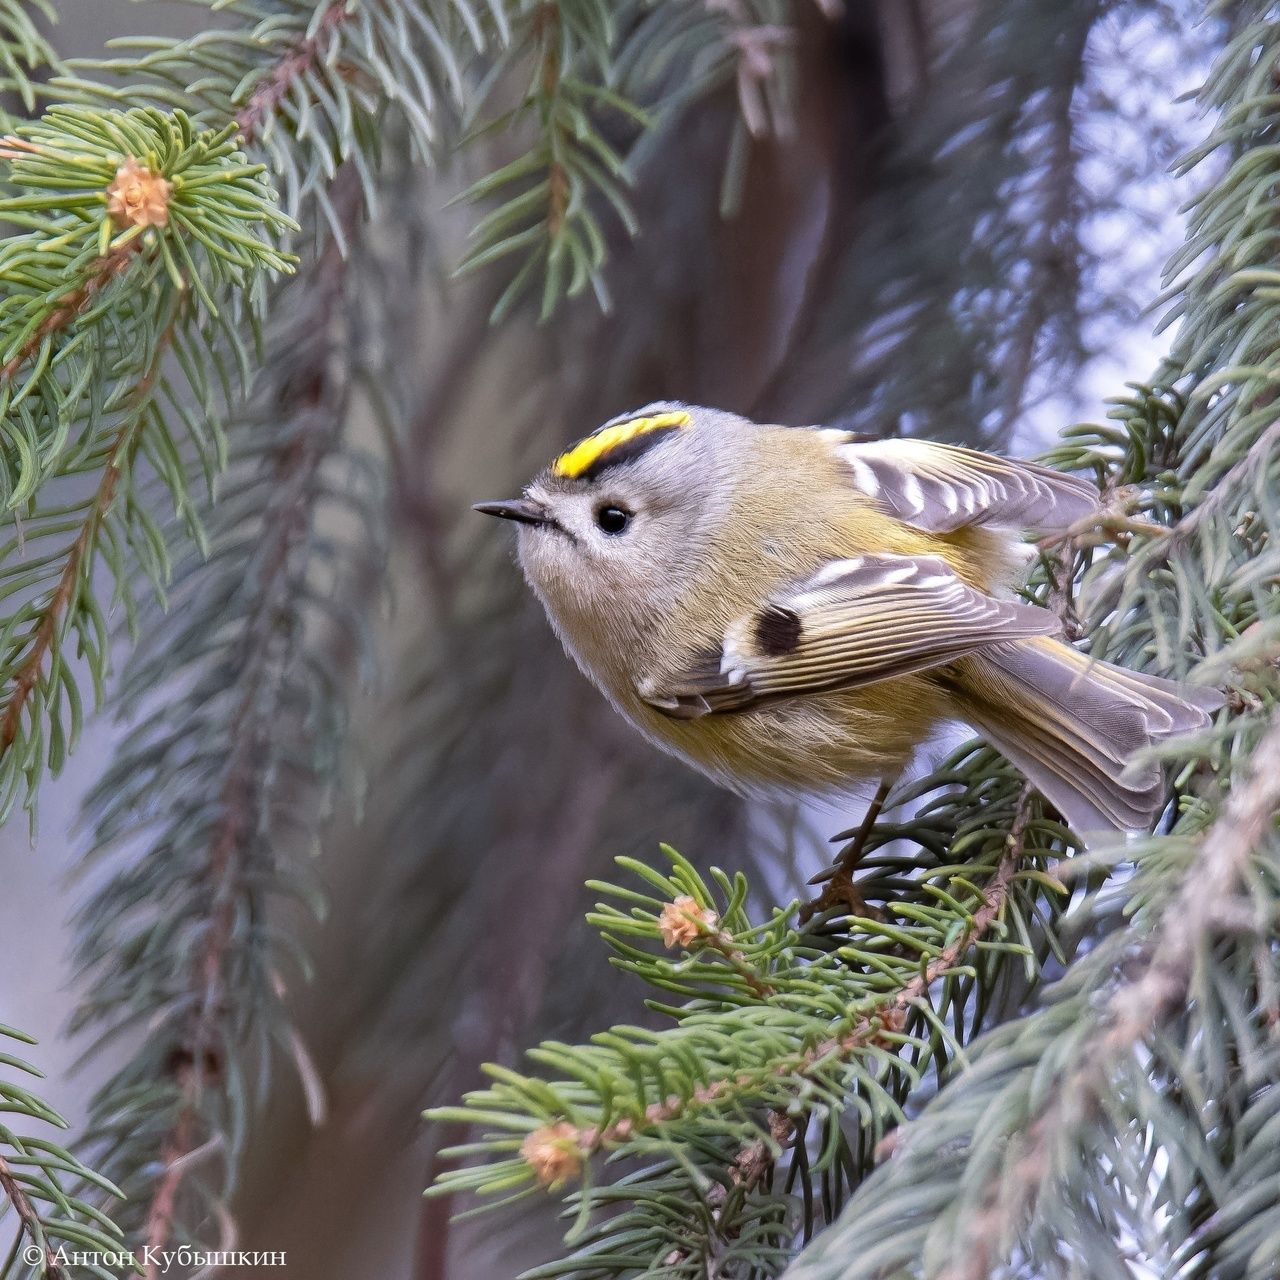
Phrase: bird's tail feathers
(1076, 726)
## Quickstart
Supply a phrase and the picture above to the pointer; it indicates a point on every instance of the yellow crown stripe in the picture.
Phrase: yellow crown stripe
(586, 453)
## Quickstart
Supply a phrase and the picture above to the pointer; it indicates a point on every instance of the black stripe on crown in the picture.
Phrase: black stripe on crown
(627, 451)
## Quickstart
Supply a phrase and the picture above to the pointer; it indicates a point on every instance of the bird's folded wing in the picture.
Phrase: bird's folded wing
(940, 488)
(855, 622)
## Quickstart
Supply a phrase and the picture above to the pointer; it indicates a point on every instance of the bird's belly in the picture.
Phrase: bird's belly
(820, 743)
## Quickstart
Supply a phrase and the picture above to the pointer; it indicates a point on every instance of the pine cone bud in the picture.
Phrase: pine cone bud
(553, 1153)
(137, 197)
(682, 921)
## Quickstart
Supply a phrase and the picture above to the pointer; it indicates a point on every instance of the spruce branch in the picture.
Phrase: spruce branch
(31, 1226)
(309, 85)
(887, 1014)
(135, 219)
(544, 213)
(259, 655)
(38, 1180)
(24, 51)
(78, 281)
(303, 57)
(1193, 919)
(66, 308)
(104, 191)
(50, 621)
(782, 1033)
(602, 82)
(1059, 1080)
(99, 263)
(1154, 989)
(197, 1058)
(754, 1164)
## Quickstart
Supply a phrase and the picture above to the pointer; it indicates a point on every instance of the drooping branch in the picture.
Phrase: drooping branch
(198, 1061)
(194, 185)
(547, 35)
(167, 214)
(266, 100)
(266, 651)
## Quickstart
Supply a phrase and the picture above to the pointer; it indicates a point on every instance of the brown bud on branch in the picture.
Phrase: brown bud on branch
(138, 197)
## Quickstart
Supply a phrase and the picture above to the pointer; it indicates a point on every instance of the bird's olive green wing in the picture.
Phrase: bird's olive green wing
(855, 622)
(940, 488)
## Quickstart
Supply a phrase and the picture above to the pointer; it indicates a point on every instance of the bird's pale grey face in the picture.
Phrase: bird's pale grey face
(625, 535)
(612, 531)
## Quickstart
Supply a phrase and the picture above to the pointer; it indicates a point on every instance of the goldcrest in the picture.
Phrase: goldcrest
(798, 608)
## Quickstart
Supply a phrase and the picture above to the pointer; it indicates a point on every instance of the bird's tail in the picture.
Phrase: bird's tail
(1074, 727)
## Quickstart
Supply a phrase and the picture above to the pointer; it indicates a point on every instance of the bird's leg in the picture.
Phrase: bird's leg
(840, 889)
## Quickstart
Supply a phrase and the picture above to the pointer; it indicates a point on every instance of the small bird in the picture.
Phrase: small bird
(797, 608)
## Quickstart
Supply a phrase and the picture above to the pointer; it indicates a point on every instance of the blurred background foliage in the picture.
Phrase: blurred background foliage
(336, 838)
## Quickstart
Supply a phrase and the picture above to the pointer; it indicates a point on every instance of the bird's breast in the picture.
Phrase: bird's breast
(820, 743)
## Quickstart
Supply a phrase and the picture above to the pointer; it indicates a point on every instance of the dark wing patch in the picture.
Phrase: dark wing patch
(856, 622)
(778, 630)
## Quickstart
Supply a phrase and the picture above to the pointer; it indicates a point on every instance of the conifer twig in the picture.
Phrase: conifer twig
(71, 304)
(888, 1016)
(29, 1221)
(78, 555)
(1207, 901)
(197, 1061)
(266, 99)
(753, 1163)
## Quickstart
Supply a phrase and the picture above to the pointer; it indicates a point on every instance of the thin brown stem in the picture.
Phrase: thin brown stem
(546, 31)
(265, 100)
(199, 1057)
(13, 1191)
(840, 889)
(70, 305)
(888, 1016)
(54, 615)
(161, 1210)
(722, 944)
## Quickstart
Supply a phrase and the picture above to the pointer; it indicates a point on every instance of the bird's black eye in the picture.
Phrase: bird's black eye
(613, 519)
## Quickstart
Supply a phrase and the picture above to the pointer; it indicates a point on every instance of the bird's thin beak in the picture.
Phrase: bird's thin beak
(521, 509)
